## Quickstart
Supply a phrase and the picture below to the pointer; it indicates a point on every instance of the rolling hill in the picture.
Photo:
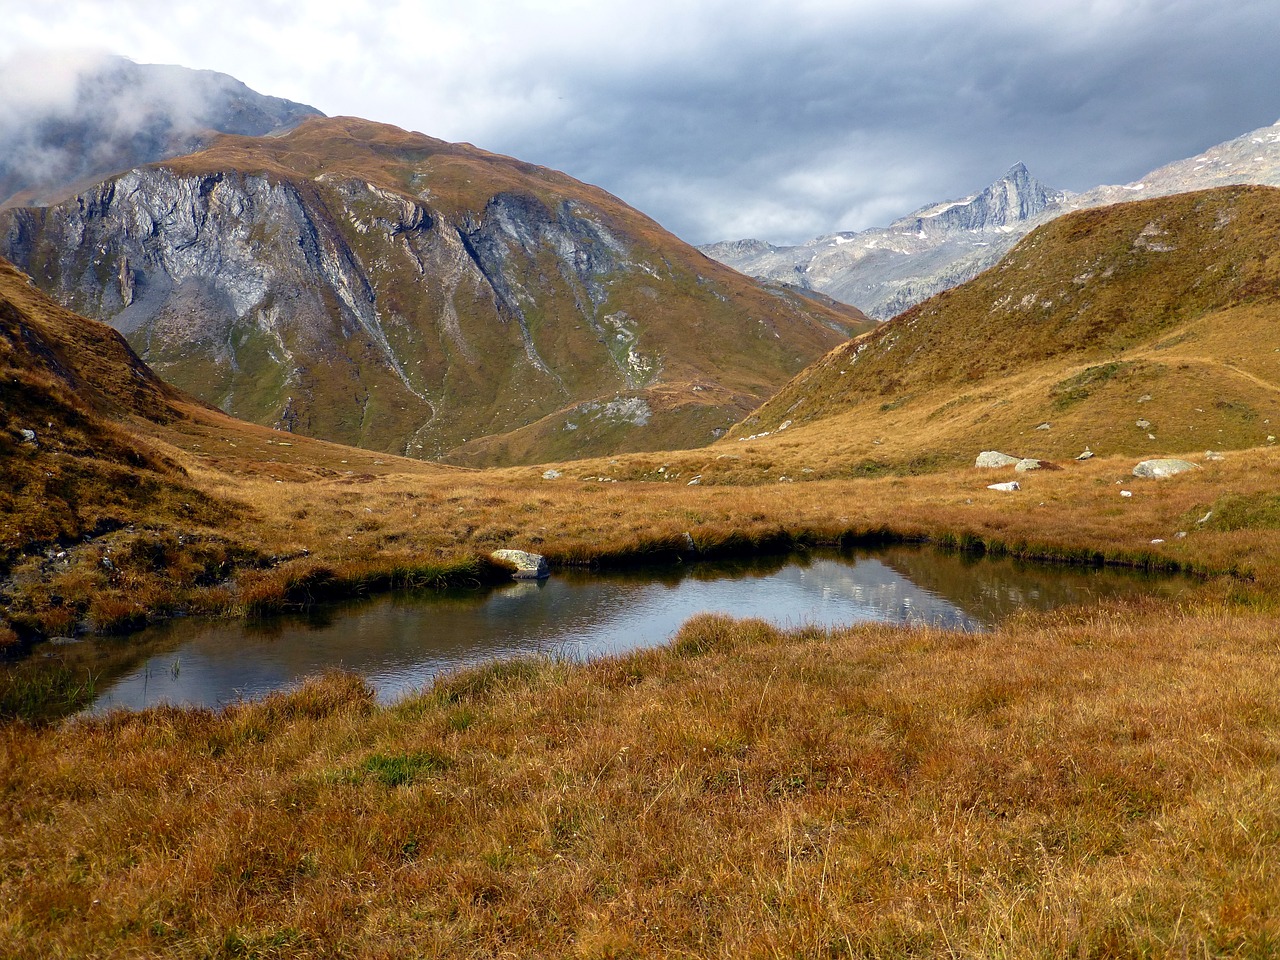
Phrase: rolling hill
(1142, 328)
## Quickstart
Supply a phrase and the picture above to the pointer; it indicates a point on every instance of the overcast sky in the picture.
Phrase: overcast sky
(753, 118)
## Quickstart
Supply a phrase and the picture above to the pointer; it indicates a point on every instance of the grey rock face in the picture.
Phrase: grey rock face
(275, 295)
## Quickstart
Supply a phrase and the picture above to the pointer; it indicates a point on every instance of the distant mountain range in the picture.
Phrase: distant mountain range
(885, 270)
(353, 281)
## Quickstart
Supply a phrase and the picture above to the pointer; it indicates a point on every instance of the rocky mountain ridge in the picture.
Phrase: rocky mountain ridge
(886, 269)
(353, 281)
(889, 269)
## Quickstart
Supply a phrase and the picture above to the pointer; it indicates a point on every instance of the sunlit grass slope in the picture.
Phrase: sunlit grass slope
(1146, 328)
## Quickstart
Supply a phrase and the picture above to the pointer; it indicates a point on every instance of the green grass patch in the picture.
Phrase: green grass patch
(1254, 511)
(404, 769)
(1072, 390)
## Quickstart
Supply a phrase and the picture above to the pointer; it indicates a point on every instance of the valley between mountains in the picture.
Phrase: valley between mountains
(250, 371)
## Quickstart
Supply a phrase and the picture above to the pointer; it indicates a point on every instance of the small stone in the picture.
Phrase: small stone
(1142, 424)
(1158, 540)
(1126, 493)
(1180, 535)
(1213, 455)
(689, 545)
(1145, 398)
(694, 482)
(551, 475)
(1087, 455)
(1205, 518)
(28, 436)
(1009, 487)
(1045, 426)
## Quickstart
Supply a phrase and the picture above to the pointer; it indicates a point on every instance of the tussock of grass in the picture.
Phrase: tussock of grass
(1094, 782)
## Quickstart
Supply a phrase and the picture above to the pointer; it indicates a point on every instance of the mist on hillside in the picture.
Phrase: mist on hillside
(69, 117)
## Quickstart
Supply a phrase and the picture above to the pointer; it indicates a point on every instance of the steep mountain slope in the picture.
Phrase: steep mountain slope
(885, 271)
(115, 114)
(67, 467)
(353, 281)
(1147, 327)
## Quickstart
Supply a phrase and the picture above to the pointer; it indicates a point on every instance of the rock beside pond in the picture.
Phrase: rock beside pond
(529, 566)
(994, 458)
(1165, 467)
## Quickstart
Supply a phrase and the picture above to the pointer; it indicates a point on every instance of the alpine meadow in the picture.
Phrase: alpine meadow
(260, 362)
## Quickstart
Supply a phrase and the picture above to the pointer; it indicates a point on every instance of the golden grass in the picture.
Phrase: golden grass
(1092, 782)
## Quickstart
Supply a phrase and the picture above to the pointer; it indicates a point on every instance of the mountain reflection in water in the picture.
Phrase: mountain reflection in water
(400, 642)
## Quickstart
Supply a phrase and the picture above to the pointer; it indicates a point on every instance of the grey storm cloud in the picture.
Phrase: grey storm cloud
(778, 120)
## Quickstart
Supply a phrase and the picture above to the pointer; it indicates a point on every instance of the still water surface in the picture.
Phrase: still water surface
(400, 642)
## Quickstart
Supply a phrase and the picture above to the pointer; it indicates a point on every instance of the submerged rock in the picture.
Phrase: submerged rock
(993, 458)
(1165, 467)
(529, 566)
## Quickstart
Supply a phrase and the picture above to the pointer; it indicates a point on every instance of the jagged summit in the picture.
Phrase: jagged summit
(1015, 197)
(886, 269)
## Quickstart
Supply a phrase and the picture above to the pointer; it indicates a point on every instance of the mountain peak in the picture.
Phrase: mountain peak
(1015, 197)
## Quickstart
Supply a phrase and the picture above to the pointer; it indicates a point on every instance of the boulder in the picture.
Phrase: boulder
(1166, 467)
(993, 458)
(529, 566)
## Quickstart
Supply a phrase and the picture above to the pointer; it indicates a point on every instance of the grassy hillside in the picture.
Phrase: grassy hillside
(1141, 328)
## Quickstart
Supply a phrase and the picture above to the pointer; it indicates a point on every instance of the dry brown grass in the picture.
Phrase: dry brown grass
(1092, 783)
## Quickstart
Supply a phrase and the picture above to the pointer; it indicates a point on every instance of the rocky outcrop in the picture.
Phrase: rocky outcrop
(994, 458)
